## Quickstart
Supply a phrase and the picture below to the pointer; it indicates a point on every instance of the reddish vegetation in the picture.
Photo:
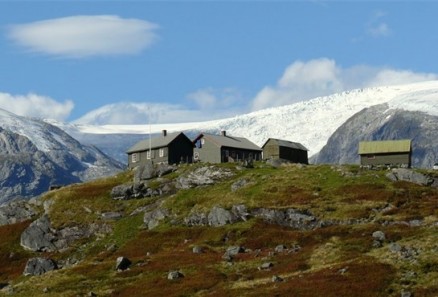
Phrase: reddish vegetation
(12, 258)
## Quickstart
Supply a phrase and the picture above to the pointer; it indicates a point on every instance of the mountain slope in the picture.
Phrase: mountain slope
(35, 154)
(382, 123)
(309, 122)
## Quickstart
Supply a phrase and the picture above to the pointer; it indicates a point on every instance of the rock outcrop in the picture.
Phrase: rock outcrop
(15, 212)
(39, 266)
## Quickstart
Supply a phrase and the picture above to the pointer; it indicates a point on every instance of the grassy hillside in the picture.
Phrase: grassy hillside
(338, 259)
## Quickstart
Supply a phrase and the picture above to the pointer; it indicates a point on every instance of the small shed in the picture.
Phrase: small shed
(387, 152)
(224, 148)
(287, 150)
(170, 148)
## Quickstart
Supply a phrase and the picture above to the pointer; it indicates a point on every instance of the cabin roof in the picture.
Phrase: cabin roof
(385, 146)
(154, 142)
(229, 141)
(287, 143)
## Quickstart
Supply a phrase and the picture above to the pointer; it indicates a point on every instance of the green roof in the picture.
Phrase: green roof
(386, 146)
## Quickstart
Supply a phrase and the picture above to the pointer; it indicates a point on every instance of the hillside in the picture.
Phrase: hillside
(227, 230)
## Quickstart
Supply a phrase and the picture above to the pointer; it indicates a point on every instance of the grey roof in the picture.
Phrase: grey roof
(287, 143)
(231, 141)
(155, 142)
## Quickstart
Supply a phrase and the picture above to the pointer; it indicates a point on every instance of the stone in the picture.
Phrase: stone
(196, 219)
(276, 279)
(173, 275)
(122, 263)
(404, 293)
(238, 184)
(410, 175)
(15, 212)
(266, 266)
(197, 250)
(38, 266)
(219, 216)
(122, 192)
(152, 218)
(280, 248)
(39, 236)
(240, 212)
(112, 215)
(395, 247)
(234, 250)
(379, 235)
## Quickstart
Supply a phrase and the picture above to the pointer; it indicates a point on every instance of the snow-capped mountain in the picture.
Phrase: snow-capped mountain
(309, 122)
(36, 155)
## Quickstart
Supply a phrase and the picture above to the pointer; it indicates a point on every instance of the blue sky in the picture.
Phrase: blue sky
(123, 62)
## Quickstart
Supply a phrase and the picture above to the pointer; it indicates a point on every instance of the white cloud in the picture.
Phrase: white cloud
(222, 101)
(83, 36)
(321, 77)
(33, 105)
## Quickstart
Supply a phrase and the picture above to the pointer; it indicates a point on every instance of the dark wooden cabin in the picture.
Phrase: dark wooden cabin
(170, 148)
(286, 150)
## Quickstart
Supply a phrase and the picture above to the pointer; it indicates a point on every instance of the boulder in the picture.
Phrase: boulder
(152, 218)
(239, 184)
(122, 263)
(173, 275)
(219, 216)
(112, 215)
(276, 279)
(409, 175)
(301, 220)
(38, 266)
(203, 176)
(280, 248)
(379, 235)
(15, 212)
(39, 236)
(198, 250)
(122, 192)
(196, 219)
(234, 250)
(266, 266)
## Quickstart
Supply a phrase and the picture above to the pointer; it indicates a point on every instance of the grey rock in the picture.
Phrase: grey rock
(297, 219)
(196, 219)
(234, 250)
(395, 247)
(276, 279)
(146, 171)
(122, 263)
(112, 215)
(203, 176)
(239, 184)
(173, 275)
(122, 192)
(152, 218)
(266, 266)
(240, 212)
(15, 212)
(219, 216)
(409, 175)
(39, 236)
(280, 248)
(404, 293)
(38, 266)
(379, 235)
(198, 250)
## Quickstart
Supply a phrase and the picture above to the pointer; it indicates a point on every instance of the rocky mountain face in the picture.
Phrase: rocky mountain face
(35, 155)
(379, 122)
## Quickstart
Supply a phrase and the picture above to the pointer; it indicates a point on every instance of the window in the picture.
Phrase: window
(148, 155)
(134, 158)
(161, 152)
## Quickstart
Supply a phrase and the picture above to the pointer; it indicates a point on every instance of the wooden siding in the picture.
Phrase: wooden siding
(272, 150)
(395, 159)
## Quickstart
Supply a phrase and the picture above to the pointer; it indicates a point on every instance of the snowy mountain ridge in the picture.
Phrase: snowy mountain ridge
(309, 122)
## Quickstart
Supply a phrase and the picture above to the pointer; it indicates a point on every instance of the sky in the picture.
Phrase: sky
(139, 62)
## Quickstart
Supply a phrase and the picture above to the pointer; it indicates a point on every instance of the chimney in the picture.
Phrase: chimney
(224, 133)
(164, 133)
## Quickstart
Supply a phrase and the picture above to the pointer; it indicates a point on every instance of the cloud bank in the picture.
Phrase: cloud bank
(33, 105)
(84, 36)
